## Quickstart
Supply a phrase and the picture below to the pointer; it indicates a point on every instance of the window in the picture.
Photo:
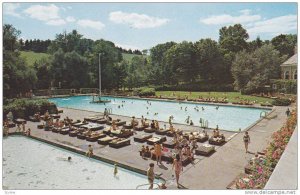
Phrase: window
(287, 75)
(295, 75)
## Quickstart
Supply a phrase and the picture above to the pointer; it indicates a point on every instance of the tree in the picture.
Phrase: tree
(285, 44)
(43, 73)
(209, 61)
(18, 77)
(233, 38)
(180, 63)
(252, 71)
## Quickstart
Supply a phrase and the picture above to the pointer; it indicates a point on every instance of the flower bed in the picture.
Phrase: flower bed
(263, 168)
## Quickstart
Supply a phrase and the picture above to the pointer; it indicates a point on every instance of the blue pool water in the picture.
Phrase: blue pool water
(226, 117)
(30, 164)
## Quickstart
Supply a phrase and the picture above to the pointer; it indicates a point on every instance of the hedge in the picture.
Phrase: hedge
(23, 108)
(144, 91)
(281, 102)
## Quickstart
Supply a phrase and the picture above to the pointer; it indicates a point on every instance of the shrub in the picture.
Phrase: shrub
(143, 91)
(281, 102)
(23, 108)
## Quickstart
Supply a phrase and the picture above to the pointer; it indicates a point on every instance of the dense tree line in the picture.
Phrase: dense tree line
(202, 65)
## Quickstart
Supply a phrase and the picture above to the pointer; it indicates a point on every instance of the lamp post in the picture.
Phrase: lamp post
(99, 75)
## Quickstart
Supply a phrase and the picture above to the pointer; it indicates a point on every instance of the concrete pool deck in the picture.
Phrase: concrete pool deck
(214, 172)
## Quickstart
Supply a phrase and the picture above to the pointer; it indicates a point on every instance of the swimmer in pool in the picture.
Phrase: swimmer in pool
(115, 170)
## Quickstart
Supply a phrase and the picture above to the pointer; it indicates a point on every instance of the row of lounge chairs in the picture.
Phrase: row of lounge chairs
(101, 134)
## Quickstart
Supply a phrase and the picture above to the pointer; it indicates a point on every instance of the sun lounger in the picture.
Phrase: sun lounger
(11, 124)
(74, 133)
(216, 141)
(106, 140)
(201, 137)
(120, 123)
(20, 121)
(55, 129)
(171, 134)
(139, 128)
(101, 121)
(205, 150)
(142, 138)
(156, 139)
(33, 119)
(93, 126)
(149, 130)
(94, 137)
(79, 124)
(40, 126)
(93, 119)
(124, 133)
(65, 131)
(167, 156)
(82, 135)
(162, 131)
(118, 143)
(55, 116)
(185, 160)
(127, 126)
(169, 144)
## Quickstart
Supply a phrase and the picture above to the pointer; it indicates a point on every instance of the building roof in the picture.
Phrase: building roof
(291, 61)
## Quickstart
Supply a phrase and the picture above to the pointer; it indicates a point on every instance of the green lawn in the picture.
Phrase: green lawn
(231, 96)
(31, 56)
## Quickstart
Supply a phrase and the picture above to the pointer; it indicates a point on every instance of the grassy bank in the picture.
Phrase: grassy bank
(231, 96)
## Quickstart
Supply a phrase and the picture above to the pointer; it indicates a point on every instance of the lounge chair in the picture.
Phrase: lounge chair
(156, 139)
(56, 129)
(205, 150)
(149, 130)
(65, 131)
(55, 116)
(95, 136)
(185, 160)
(217, 141)
(40, 126)
(171, 134)
(169, 144)
(20, 121)
(127, 126)
(11, 124)
(118, 143)
(79, 124)
(123, 133)
(83, 134)
(93, 126)
(93, 119)
(120, 123)
(201, 137)
(101, 121)
(33, 119)
(167, 156)
(106, 140)
(74, 133)
(162, 131)
(142, 138)
(139, 128)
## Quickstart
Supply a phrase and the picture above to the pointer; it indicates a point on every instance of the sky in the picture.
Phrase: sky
(144, 25)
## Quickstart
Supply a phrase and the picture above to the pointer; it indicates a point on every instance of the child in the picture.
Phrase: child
(90, 151)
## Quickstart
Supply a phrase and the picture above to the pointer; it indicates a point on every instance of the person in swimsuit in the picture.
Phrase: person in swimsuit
(90, 151)
(150, 175)
(246, 140)
(157, 149)
(178, 168)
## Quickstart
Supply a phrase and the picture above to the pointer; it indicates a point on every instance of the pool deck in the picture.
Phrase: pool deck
(214, 172)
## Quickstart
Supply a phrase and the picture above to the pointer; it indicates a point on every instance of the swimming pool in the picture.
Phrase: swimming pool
(31, 164)
(226, 117)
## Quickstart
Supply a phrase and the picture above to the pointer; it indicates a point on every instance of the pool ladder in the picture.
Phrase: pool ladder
(203, 123)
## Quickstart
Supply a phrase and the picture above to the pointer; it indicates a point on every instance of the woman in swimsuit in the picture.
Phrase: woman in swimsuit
(246, 139)
(178, 168)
